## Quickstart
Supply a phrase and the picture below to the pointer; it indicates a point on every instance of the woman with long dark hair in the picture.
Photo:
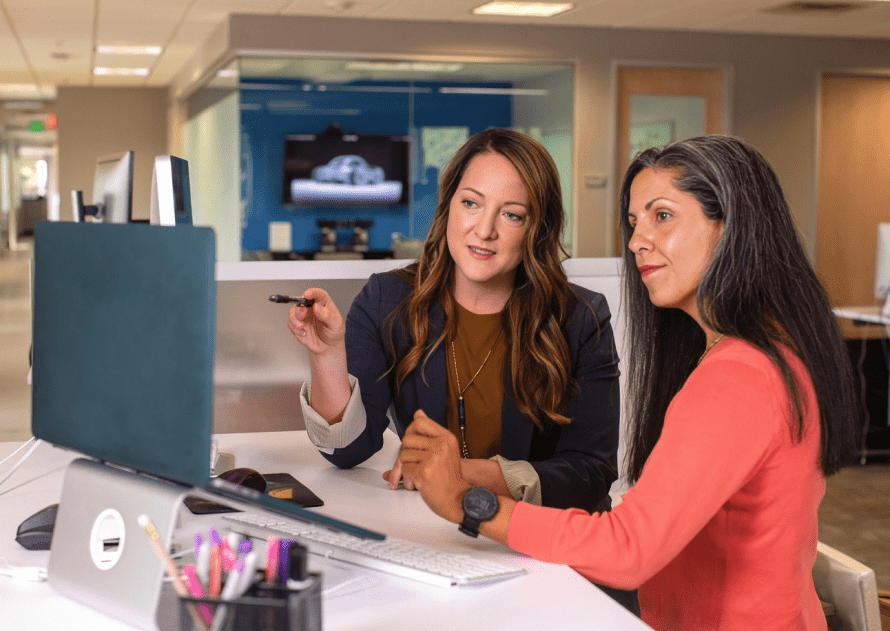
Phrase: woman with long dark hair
(483, 334)
(741, 401)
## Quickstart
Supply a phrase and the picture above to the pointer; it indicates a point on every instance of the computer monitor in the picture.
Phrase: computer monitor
(171, 201)
(882, 263)
(112, 191)
(77, 206)
(141, 401)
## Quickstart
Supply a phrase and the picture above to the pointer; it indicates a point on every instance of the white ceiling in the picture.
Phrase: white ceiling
(49, 43)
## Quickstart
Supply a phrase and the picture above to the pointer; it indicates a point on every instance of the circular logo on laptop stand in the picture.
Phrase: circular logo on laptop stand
(107, 539)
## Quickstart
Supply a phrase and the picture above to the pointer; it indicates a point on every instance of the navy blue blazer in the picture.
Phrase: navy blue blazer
(576, 463)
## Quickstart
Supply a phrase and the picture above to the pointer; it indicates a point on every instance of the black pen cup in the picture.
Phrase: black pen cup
(265, 607)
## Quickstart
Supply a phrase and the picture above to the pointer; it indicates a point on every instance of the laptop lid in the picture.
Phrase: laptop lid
(123, 341)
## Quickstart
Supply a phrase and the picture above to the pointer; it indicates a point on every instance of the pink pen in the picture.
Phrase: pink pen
(229, 556)
(271, 559)
(196, 589)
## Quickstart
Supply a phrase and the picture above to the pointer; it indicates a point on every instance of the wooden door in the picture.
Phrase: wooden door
(854, 163)
(674, 86)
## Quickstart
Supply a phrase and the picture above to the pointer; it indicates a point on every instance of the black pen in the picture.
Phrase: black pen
(303, 302)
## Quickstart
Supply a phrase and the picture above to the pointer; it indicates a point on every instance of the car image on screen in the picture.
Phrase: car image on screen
(348, 170)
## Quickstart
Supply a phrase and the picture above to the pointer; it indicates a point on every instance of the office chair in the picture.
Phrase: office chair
(850, 587)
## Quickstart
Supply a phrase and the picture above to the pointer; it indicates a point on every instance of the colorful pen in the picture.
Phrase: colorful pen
(228, 555)
(246, 579)
(229, 592)
(202, 559)
(196, 589)
(170, 568)
(233, 581)
(215, 582)
(272, 559)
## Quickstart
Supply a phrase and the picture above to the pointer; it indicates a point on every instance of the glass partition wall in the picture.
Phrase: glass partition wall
(319, 158)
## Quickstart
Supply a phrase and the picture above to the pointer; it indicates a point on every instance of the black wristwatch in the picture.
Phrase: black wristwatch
(480, 504)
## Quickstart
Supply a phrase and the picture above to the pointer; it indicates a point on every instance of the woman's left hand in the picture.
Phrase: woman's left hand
(430, 457)
(396, 475)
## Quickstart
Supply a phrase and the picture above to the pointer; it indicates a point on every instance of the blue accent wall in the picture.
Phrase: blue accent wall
(274, 108)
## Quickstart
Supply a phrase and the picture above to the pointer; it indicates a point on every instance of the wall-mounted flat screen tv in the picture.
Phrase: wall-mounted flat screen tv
(334, 170)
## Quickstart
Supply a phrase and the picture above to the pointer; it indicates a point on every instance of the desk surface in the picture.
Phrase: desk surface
(556, 596)
(865, 315)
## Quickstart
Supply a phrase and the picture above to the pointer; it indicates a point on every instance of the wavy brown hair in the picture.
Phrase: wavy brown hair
(539, 305)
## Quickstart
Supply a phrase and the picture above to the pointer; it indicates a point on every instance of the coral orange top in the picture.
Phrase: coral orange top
(720, 531)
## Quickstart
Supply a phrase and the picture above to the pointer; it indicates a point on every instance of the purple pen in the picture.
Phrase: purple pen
(284, 547)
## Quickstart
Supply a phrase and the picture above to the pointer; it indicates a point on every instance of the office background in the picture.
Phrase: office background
(775, 96)
(772, 98)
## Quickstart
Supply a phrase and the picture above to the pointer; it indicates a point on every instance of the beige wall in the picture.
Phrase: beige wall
(773, 94)
(95, 122)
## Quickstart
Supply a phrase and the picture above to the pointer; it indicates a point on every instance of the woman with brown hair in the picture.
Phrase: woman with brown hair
(483, 334)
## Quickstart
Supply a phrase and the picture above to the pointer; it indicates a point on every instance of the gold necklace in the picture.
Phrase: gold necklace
(461, 416)
(710, 346)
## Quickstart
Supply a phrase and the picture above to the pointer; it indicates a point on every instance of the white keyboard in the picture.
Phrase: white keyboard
(393, 556)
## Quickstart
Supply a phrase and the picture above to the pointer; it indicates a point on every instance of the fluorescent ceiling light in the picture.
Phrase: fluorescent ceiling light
(495, 91)
(380, 88)
(129, 50)
(524, 9)
(404, 66)
(121, 72)
(23, 105)
(226, 73)
(19, 88)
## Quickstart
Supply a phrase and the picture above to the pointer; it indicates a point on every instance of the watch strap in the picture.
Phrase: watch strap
(469, 526)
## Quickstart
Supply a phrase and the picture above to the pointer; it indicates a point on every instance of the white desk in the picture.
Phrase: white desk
(864, 315)
(547, 597)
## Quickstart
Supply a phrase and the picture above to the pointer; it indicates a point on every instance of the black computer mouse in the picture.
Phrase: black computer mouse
(245, 477)
(36, 532)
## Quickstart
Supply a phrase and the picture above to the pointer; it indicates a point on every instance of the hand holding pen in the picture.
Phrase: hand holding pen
(319, 328)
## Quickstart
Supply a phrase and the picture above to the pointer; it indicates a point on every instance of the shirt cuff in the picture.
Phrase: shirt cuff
(522, 480)
(327, 437)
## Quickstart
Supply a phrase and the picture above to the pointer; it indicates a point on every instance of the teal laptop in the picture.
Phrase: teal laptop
(123, 339)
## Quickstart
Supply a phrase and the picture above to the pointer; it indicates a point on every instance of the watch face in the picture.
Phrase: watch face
(480, 503)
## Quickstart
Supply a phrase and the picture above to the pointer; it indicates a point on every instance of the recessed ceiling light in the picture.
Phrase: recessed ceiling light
(121, 72)
(129, 50)
(524, 9)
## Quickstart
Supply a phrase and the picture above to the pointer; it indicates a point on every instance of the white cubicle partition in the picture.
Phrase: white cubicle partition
(259, 366)
(604, 275)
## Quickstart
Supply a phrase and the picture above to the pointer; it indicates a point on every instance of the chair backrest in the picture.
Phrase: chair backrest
(848, 585)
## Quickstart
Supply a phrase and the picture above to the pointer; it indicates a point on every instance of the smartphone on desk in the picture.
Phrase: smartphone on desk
(283, 486)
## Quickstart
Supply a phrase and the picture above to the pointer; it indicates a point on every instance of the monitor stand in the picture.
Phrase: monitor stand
(100, 555)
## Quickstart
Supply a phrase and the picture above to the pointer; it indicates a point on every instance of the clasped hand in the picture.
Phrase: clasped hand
(430, 462)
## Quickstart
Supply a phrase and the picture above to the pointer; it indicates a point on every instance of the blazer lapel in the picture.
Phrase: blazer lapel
(431, 396)
(516, 430)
